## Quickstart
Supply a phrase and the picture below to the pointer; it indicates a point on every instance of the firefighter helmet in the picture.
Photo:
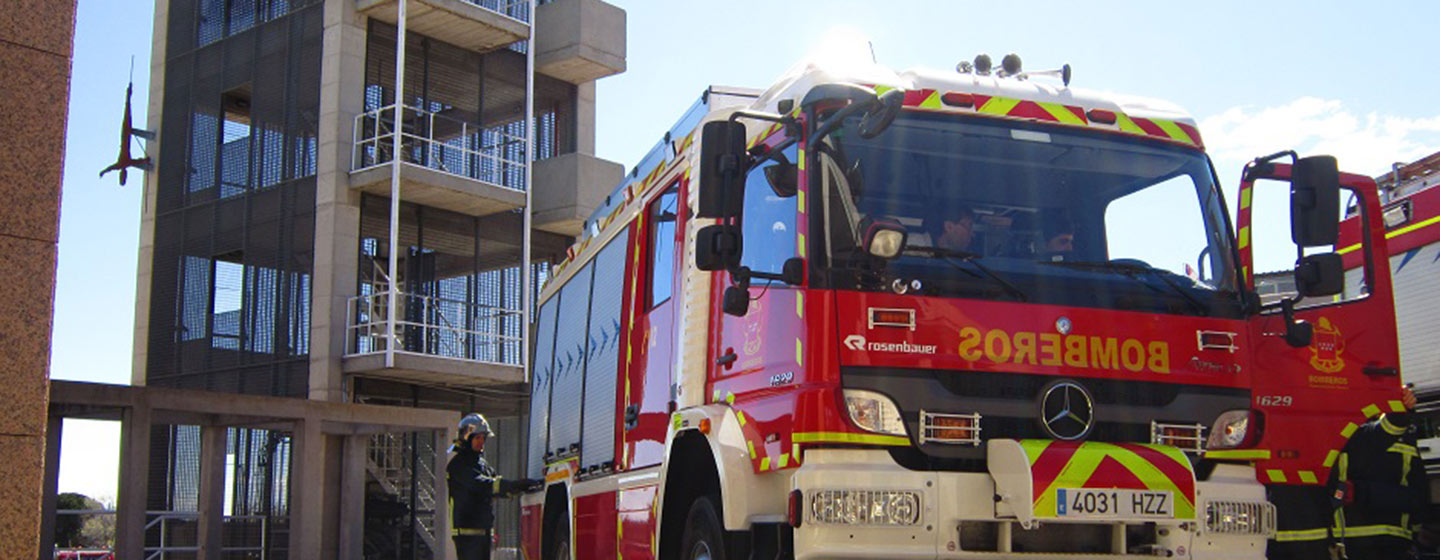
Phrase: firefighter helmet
(474, 423)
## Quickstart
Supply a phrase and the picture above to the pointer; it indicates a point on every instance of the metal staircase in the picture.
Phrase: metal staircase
(402, 472)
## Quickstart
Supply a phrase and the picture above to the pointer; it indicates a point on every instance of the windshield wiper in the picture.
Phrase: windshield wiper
(1131, 271)
(950, 256)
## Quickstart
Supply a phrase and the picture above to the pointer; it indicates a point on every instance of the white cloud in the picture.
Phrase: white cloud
(1364, 143)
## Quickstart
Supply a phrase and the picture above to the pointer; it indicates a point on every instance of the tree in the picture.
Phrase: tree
(67, 526)
(98, 530)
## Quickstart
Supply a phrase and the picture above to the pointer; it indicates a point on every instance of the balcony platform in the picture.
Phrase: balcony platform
(438, 189)
(579, 40)
(436, 370)
(463, 24)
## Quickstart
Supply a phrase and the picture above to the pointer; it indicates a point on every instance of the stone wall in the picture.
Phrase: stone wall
(35, 51)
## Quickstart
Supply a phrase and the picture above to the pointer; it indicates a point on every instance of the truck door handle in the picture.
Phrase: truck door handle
(632, 416)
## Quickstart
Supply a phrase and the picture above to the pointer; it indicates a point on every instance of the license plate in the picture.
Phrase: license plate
(1112, 502)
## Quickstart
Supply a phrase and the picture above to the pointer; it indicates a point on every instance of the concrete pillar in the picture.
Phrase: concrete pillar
(337, 207)
(307, 484)
(352, 496)
(212, 492)
(134, 482)
(51, 493)
(442, 497)
(585, 118)
(151, 184)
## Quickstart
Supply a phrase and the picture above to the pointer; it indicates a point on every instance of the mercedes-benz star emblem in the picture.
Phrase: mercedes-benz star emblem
(1067, 411)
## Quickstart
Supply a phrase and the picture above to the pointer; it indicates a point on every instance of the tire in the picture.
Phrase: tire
(559, 544)
(704, 535)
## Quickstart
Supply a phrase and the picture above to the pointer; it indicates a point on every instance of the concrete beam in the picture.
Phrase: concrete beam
(237, 407)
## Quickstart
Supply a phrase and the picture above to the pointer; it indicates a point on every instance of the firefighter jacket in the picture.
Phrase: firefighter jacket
(473, 485)
(1382, 470)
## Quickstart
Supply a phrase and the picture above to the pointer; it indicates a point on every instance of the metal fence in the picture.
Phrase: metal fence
(432, 326)
(495, 154)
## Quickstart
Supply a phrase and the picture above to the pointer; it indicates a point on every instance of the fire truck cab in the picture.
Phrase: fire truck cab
(923, 314)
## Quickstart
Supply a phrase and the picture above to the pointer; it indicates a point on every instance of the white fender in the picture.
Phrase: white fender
(746, 497)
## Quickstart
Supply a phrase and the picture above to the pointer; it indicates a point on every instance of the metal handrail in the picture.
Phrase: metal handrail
(466, 150)
(162, 518)
(518, 10)
(366, 326)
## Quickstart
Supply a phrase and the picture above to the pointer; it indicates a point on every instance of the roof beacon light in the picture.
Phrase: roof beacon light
(1009, 66)
(982, 64)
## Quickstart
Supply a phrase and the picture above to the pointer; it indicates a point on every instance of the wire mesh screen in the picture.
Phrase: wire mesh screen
(234, 225)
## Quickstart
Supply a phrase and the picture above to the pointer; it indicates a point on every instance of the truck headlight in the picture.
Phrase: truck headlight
(1231, 430)
(865, 507)
(874, 412)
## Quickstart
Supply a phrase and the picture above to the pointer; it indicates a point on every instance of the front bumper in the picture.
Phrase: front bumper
(967, 515)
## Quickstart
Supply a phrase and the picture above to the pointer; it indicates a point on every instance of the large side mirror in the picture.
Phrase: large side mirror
(879, 116)
(1315, 201)
(717, 247)
(1320, 275)
(722, 169)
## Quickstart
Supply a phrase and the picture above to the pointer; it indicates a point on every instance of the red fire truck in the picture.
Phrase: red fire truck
(940, 314)
(1411, 216)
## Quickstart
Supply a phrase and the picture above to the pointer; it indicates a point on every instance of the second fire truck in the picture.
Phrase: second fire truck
(865, 313)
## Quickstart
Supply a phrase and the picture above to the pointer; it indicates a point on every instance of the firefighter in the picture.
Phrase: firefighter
(954, 231)
(1375, 496)
(1379, 490)
(473, 485)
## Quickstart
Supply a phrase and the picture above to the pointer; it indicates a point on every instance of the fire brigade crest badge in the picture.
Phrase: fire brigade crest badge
(1326, 348)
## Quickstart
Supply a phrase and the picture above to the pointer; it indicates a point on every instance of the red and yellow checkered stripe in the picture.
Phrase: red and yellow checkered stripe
(1073, 115)
(1060, 464)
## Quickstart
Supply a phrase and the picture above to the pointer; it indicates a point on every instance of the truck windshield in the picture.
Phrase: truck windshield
(1025, 212)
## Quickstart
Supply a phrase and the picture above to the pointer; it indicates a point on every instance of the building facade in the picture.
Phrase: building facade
(307, 233)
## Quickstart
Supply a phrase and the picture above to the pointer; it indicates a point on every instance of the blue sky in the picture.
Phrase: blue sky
(1355, 80)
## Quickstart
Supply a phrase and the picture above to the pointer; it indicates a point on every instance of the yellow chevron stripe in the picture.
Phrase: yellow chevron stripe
(800, 304)
(1245, 195)
(1123, 121)
(1397, 406)
(799, 354)
(1061, 113)
(1239, 454)
(1244, 237)
(1349, 430)
(998, 106)
(1276, 475)
(1308, 477)
(1173, 130)
(932, 101)
(1330, 458)
(1370, 411)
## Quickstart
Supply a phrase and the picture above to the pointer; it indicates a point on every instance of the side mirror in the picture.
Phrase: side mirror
(717, 247)
(793, 271)
(879, 117)
(883, 238)
(1320, 275)
(722, 169)
(736, 301)
(1315, 201)
(1298, 332)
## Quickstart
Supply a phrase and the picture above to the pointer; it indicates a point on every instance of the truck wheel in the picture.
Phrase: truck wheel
(560, 540)
(704, 536)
